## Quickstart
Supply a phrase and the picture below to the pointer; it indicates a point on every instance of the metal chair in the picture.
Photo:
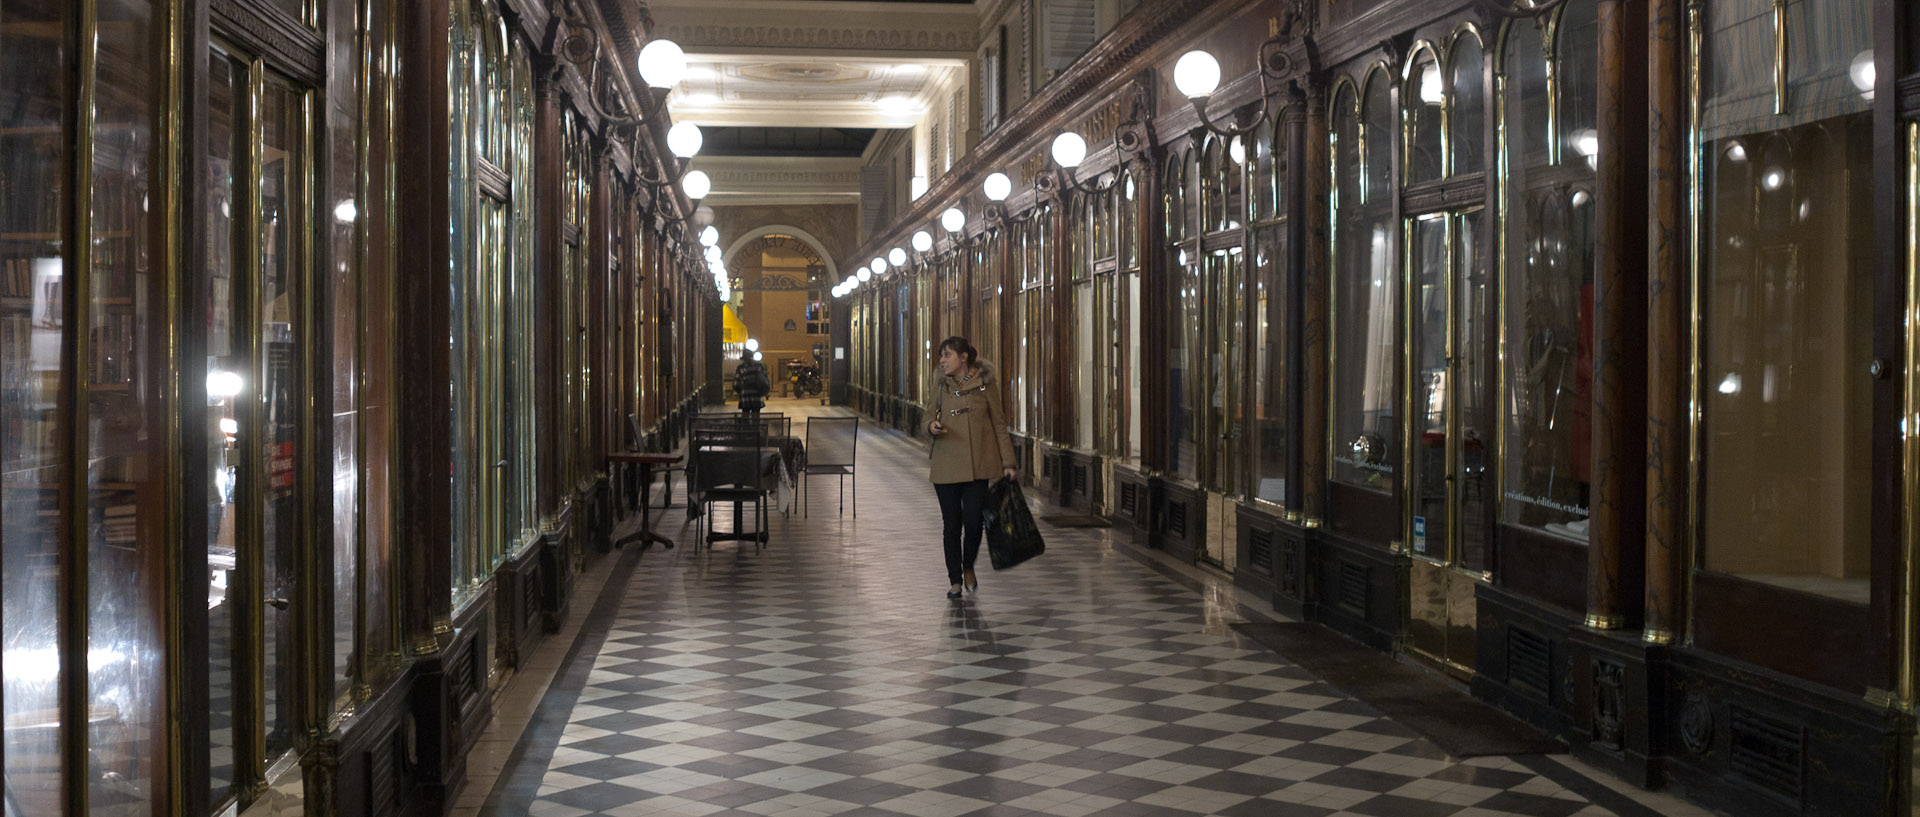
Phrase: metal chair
(831, 445)
(725, 467)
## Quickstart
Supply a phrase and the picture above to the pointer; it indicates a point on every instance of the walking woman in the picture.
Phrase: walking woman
(970, 446)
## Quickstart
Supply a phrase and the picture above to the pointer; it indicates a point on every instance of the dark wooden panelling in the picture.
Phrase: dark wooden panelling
(1758, 743)
(1807, 636)
(1361, 588)
(1361, 513)
(1547, 568)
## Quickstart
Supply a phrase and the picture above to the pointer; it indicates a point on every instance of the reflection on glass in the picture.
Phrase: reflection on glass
(1269, 347)
(1188, 356)
(1266, 188)
(127, 462)
(1787, 309)
(33, 459)
(1788, 315)
(1365, 289)
(1226, 344)
(226, 389)
(1577, 41)
(1134, 382)
(1086, 373)
(1526, 99)
(1475, 349)
(1425, 97)
(280, 304)
(1550, 269)
(1427, 250)
(1467, 115)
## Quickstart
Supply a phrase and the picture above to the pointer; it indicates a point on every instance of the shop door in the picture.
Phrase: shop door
(1221, 466)
(258, 357)
(1448, 309)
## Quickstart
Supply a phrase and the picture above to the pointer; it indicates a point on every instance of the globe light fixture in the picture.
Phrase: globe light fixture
(1197, 74)
(997, 186)
(697, 185)
(753, 345)
(922, 241)
(713, 254)
(684, 139)
(710, 236)
(662, 63)
(865, 274)
(897, 257)
(1069, 150)
(953, 219)
(878, 265)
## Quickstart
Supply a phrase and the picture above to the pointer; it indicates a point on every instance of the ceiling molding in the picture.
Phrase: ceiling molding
(800, 175)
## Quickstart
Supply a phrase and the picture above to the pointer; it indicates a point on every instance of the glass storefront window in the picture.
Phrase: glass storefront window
(1548, 231)
(1466, 111)
(1425, 99)
(34, 457)
(1786, 300)
(1366, 288)
(1266, 183)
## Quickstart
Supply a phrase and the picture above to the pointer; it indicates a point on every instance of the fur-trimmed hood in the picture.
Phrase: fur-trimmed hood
(949, 383)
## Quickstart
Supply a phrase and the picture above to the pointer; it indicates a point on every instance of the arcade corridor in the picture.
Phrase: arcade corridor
(827, 675)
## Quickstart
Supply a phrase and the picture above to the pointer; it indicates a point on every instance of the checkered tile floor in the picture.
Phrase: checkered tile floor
(829, 675)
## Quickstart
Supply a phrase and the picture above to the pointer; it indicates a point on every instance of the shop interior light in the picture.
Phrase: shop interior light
(897, 257)
(684, 139)
(953, 219)
(997, 186)
(922, 241)
(662, 63)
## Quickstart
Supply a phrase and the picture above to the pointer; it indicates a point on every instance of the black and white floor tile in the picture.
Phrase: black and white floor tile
(829, 675)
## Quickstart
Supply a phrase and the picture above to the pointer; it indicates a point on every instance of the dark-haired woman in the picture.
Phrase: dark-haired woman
(970, 446)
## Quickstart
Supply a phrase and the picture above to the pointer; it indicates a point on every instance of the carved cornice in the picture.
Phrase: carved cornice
(894, 38)
(288, 45)
(725, 178)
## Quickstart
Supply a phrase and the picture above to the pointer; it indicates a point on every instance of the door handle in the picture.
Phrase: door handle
(278, 604)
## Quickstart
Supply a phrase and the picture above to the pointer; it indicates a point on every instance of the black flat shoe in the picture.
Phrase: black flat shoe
(953, 592)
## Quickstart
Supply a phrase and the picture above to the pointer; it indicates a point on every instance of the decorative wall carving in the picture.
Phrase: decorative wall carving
(290, 46)
(1609, 703)
(819, 37)
(1696, 725)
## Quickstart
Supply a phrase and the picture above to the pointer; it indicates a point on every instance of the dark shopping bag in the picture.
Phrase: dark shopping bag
(1012, 535)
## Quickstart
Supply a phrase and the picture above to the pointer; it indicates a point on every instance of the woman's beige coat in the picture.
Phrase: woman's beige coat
(976, 445)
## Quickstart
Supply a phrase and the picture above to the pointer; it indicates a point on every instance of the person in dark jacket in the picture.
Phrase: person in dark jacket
(970, 446)
(750, 378)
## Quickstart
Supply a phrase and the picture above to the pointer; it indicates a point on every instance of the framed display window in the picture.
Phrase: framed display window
(1785, 304)
(1548, 257)
(1366, 287)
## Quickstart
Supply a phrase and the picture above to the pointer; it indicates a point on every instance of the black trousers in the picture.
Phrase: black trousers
(960, 506)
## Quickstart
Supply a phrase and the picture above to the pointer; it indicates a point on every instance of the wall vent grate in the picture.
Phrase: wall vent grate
(1354, 587)
(1528, 660)
(1768, 752)
(1260, 551)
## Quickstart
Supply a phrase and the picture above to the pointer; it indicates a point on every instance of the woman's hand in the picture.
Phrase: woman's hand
(936, 428)
(1012, 473)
